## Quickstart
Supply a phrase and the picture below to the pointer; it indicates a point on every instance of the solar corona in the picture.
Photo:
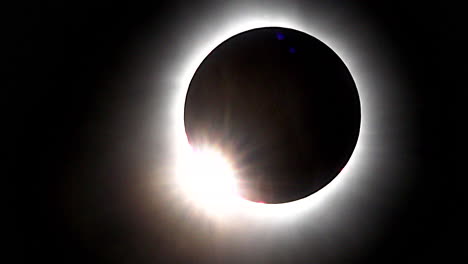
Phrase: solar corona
(276, 104)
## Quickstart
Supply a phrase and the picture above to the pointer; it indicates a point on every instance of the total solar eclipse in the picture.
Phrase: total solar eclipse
(281, 105)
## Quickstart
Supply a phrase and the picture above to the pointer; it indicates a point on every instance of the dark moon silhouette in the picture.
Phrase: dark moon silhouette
(281, 105)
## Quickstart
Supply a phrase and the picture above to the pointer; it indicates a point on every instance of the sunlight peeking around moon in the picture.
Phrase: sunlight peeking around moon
(208, 178)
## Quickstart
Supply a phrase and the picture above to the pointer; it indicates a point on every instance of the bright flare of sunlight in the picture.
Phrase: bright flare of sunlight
(208, 178)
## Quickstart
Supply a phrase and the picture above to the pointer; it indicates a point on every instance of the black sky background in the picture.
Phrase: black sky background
(66, 77)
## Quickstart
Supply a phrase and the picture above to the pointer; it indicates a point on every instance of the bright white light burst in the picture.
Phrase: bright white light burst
(208, 178)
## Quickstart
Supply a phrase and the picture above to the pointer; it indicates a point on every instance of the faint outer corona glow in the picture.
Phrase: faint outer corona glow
(183, 75)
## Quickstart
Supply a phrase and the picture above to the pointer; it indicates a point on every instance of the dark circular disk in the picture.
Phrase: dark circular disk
(281, 105)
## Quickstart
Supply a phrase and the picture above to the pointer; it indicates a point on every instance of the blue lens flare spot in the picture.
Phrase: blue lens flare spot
(292, 50)
(279, 36)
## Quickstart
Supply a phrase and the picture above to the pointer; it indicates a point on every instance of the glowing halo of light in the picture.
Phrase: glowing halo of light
(351, 211)
(186, 71)
(372, 176)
